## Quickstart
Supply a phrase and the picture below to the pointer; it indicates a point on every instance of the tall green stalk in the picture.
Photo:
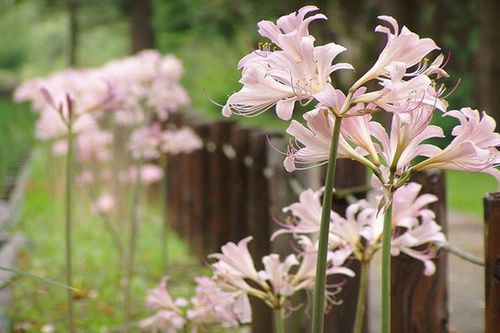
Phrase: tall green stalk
(386, 270)
(361, 304)
(68, 224)
(132, 245)
(163, 203)
(319, 287)
(279, 322)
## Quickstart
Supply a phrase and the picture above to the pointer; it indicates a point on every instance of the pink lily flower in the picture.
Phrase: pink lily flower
(298, 72)
(312, 144)
(404, 47)
(213, 305)
(472, 149)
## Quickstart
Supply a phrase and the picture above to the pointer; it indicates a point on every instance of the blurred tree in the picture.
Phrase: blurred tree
(488, 66)
(141, 28)
(72, 32)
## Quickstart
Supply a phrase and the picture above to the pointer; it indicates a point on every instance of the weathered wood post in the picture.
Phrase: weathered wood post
(349, 176)
(200, 208)
(237, 152)
(419, 302)
(174, 184)
(258, 220)
(492, 262)
(219, 183)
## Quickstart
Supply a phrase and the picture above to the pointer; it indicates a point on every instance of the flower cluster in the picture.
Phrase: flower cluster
(291, 68)
(124, 103)
(358, 235)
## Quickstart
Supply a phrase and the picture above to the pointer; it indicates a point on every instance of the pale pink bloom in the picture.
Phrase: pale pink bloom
(213, 305)
(93, 145)
(150, 173)
(128, 117)
(277, 273)
(280, 80)
(428, 231)
(312, 144)
(400, 96)
(407, 138)
(403, 46)
(50, 125)
(306, 215)
(474, 147)
(171, 68)
(299, 71)
(144, 142)
(104, 204)
(306, 272)
(164, 321)
(289, 30)
(84, 178)
(60, 147)
(235, 259)
(408, 207)
(183, 140)
(165, 97)
(159, 298)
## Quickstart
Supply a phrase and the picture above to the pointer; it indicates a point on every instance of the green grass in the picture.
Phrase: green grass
(97, 272)
(16, 127)
(466, 191)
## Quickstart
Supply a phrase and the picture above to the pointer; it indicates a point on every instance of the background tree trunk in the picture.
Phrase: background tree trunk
(141, 30)
(72, 32)
(488, 66)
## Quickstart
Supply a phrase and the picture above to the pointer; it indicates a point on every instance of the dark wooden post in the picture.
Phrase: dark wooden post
(141, 30)
(492, 261)
(238, 227)
(419, 302)
(174, 181)
(349, 175)
(219, 183)
(200, 209)
(258, 221)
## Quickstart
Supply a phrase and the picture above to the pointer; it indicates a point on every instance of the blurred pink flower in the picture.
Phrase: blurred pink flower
(183, 140)
(169, 318)
(104, 204)
(212, 305)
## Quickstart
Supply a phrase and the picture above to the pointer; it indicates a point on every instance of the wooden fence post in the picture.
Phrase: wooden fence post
(258, 221)
(349, 175)
(419, 302)
(237, 151)
(220, 184)
(200, 208)
(174, 180)
(492, 262)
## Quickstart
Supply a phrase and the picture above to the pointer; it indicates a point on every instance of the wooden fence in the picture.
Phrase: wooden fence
(236, 186)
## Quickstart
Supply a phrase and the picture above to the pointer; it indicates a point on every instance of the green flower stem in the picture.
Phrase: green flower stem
(386, 270)
(69, 224)
(279, 321)
(163, 203)
(319, 287)
(132, 245)
(361, 304)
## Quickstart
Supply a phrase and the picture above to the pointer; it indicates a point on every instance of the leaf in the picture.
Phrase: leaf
(38, 277)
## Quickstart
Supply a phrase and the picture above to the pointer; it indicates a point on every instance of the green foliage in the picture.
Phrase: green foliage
(466, 191)
(16, 126)
(97, 270)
